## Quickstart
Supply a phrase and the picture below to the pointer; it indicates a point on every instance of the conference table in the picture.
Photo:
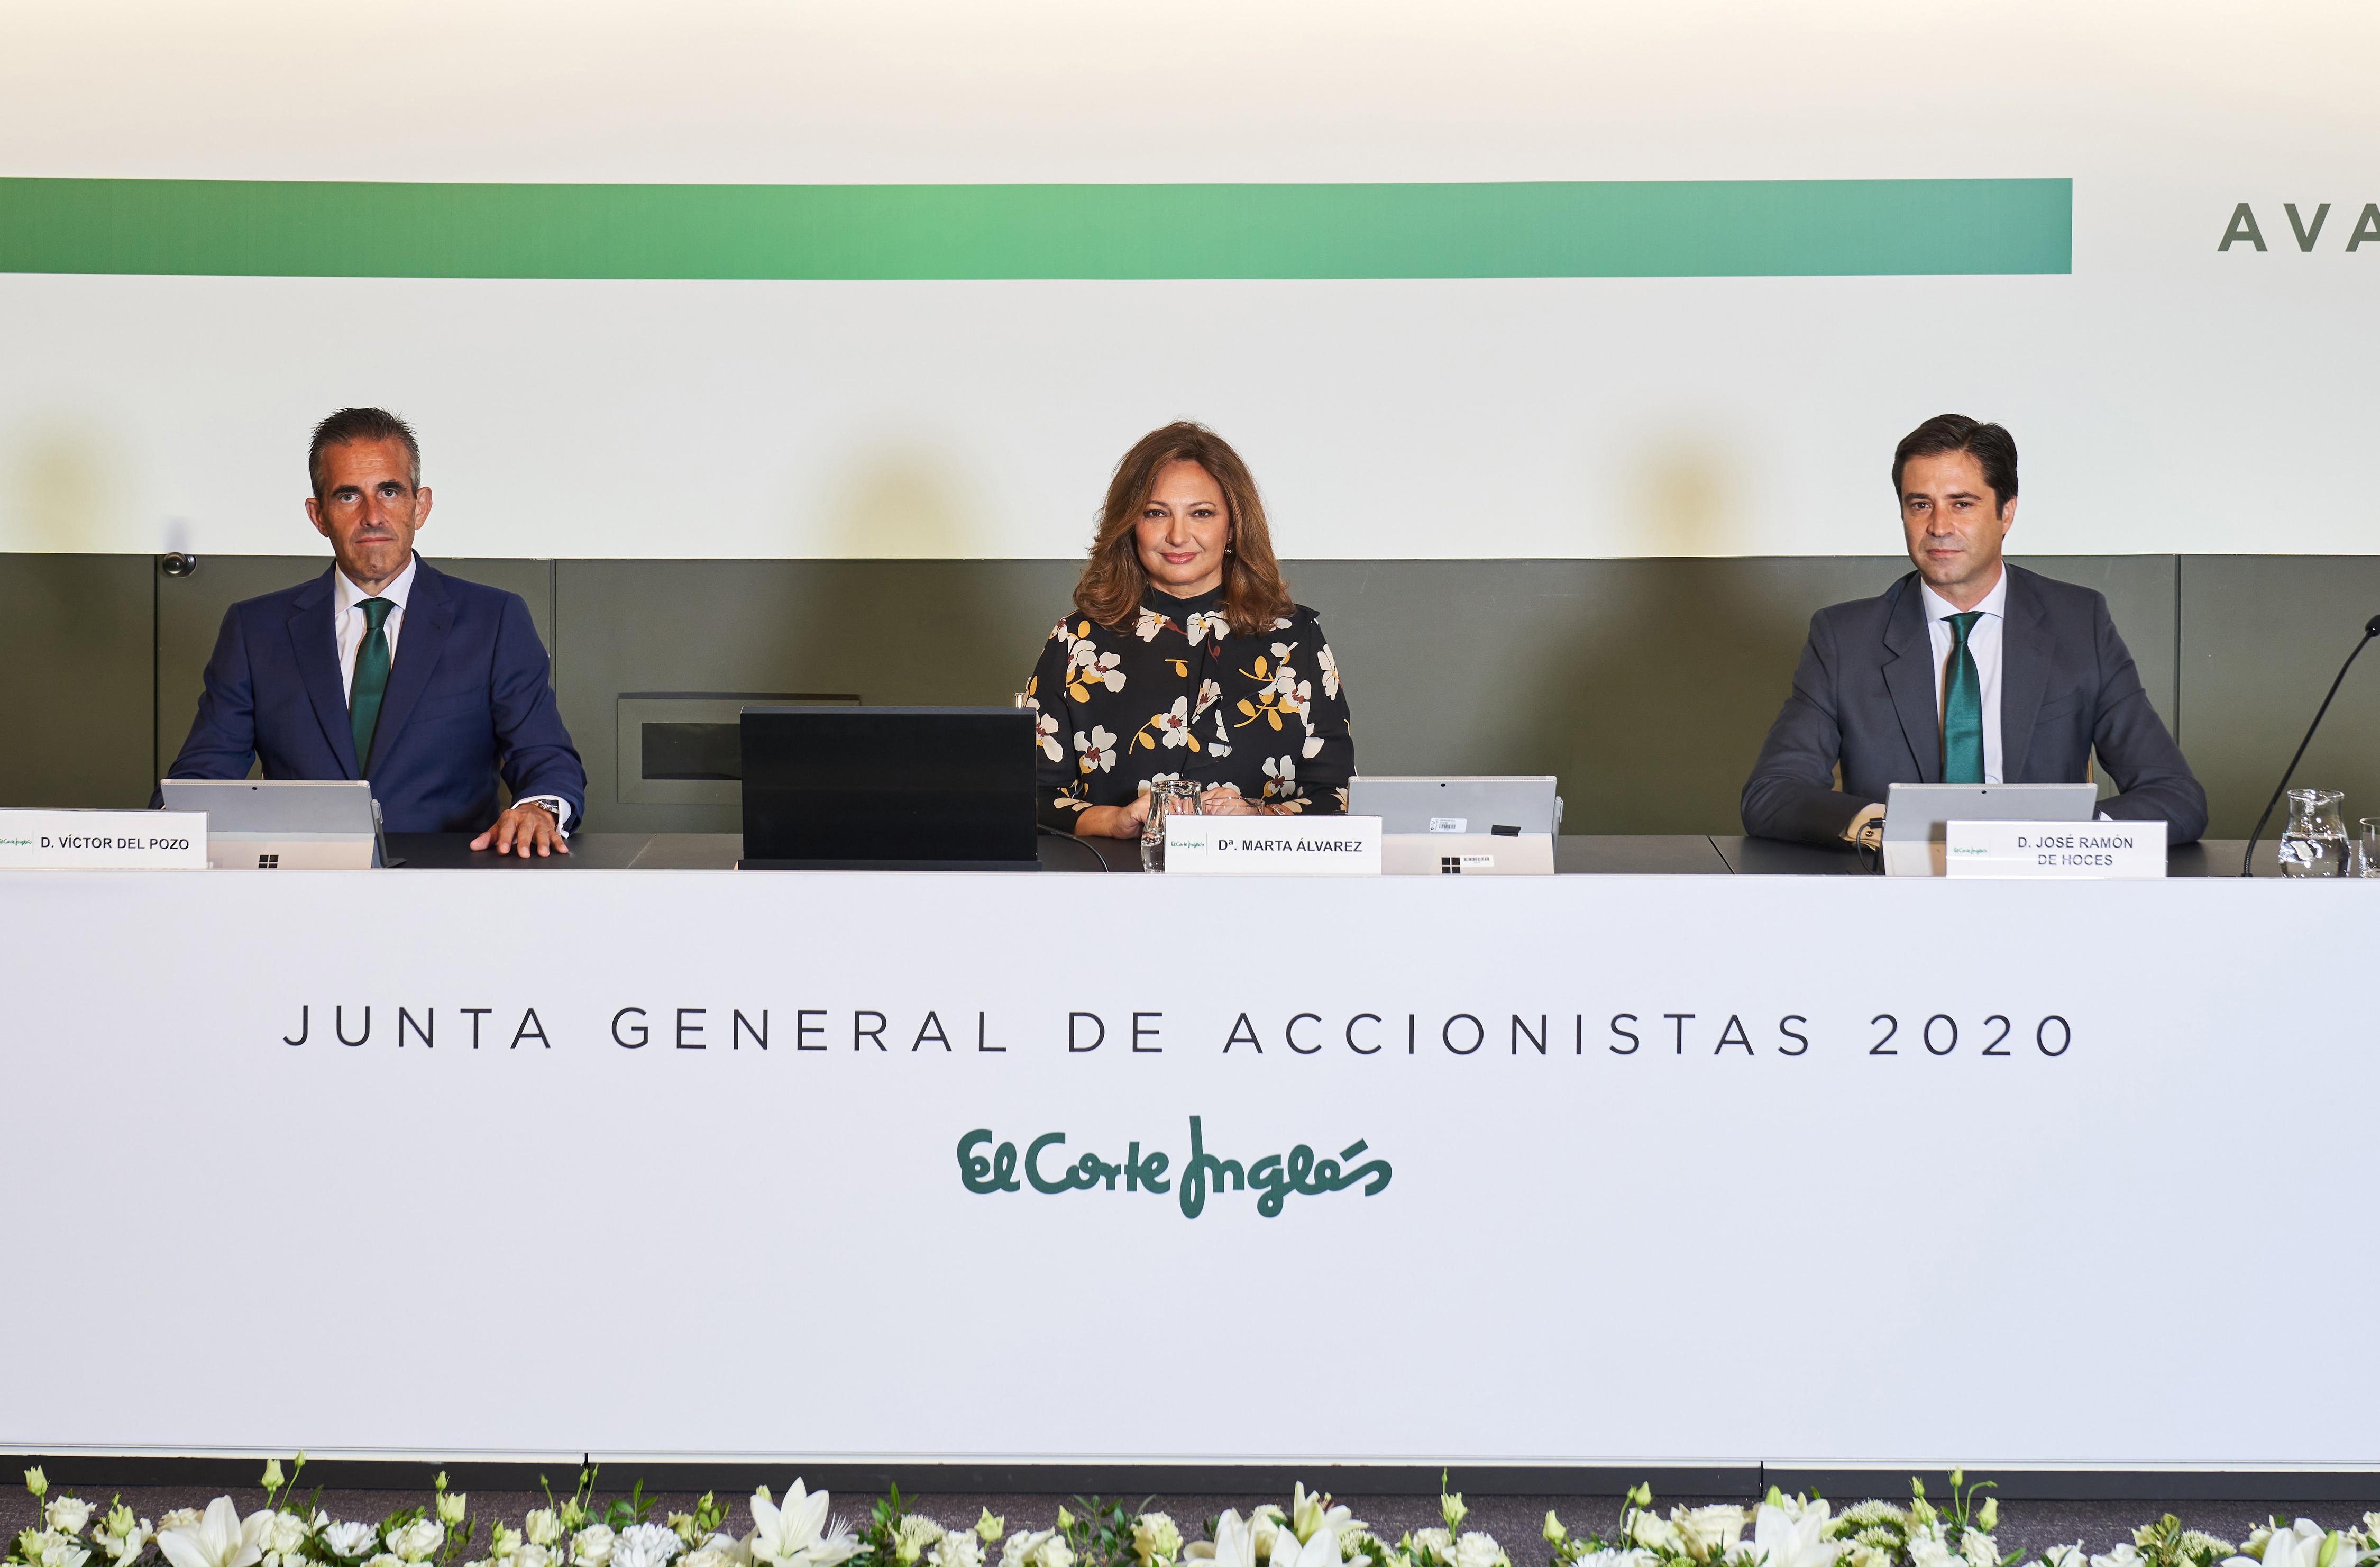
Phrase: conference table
(1674, 853)
(1701, 1150)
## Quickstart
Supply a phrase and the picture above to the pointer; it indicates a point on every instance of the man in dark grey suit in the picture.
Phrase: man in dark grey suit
(1967, 670)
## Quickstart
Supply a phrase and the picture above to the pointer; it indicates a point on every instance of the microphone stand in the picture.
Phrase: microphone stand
(2247, 860)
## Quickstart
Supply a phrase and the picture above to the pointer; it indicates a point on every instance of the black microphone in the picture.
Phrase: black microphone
(2247, 860)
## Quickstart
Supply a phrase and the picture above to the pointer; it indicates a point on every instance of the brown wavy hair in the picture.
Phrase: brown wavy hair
(1114, 580)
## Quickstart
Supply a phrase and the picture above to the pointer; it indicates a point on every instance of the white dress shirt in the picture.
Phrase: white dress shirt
(350, 627)
(1983, 639)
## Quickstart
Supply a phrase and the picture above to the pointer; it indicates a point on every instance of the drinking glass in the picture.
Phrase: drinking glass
(1166, 797)
(2315, 843)
(2367, 846)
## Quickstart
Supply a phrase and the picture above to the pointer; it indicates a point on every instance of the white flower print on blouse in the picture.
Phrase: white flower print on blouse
(1044, 730)
(1220, 745)
(1088, 667)
(1329, 671)
(1281, 779)
(1174, 724)
(1296, 692)
(1208, 694)
(1098, 750)
(1150, 624)
(1199, 625)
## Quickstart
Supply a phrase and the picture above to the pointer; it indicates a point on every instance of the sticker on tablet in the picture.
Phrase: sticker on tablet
(1449, 824)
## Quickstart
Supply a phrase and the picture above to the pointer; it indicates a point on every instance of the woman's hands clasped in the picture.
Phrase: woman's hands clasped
(1126, 822)
(1225, 799)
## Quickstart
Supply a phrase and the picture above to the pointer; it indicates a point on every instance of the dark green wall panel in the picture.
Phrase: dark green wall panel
(920, 632)
(75, 672)
(1644, 685)
(2264, 636)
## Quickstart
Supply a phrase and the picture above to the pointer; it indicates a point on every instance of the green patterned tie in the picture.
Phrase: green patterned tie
(372, 681)
(1963, 708)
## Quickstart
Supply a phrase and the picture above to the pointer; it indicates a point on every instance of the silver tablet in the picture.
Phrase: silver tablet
(1461, 826)
(1923, 812)
(280, 824)
(1456, 807)
(1917, 816)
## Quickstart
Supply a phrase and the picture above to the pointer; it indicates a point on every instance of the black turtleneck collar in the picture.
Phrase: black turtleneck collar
(1166, 604)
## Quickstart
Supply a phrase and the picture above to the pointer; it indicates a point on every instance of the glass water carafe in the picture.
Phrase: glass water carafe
(1166, 797)
(2315, 843)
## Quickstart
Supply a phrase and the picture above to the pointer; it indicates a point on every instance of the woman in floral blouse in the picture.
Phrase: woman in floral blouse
(1185, 657)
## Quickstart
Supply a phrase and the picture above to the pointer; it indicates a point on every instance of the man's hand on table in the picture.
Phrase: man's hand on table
(528, 826)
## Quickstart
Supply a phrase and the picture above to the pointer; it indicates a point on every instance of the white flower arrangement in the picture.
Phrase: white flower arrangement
(1037, 1548)
(645, 1545)
(1157, 1539)
(1313, 1531)
(220, 1538)
(956, 1549)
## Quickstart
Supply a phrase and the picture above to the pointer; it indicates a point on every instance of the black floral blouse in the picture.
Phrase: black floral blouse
(1178, 696)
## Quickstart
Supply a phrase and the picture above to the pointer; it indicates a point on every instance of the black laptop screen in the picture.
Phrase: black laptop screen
(888, 784)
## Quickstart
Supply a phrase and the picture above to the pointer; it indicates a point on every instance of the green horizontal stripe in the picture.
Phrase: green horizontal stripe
(1654, 228)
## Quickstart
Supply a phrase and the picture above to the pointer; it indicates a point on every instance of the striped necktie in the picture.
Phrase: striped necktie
(372, 681)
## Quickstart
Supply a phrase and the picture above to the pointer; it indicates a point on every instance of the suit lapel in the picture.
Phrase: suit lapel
(316, 645)
(1908, 674)
(2025, 647)
(429, 615)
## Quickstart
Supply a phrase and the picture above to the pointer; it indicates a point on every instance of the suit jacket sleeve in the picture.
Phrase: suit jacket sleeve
(221, 742)
(538, 756)
(2147, 767)
(1791, 792)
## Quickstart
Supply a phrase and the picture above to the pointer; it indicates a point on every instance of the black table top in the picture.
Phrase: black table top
(1613, 853)
(693, 851)
(1766, 857)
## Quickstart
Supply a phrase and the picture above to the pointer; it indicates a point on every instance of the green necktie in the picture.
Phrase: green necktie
(372, 681)
(1963, 708)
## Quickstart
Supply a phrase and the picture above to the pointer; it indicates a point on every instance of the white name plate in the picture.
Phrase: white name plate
(1273, 845)
(103, 840)
(2059, 851)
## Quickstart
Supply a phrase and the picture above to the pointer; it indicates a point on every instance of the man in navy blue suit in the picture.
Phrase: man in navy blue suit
(386, 668)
